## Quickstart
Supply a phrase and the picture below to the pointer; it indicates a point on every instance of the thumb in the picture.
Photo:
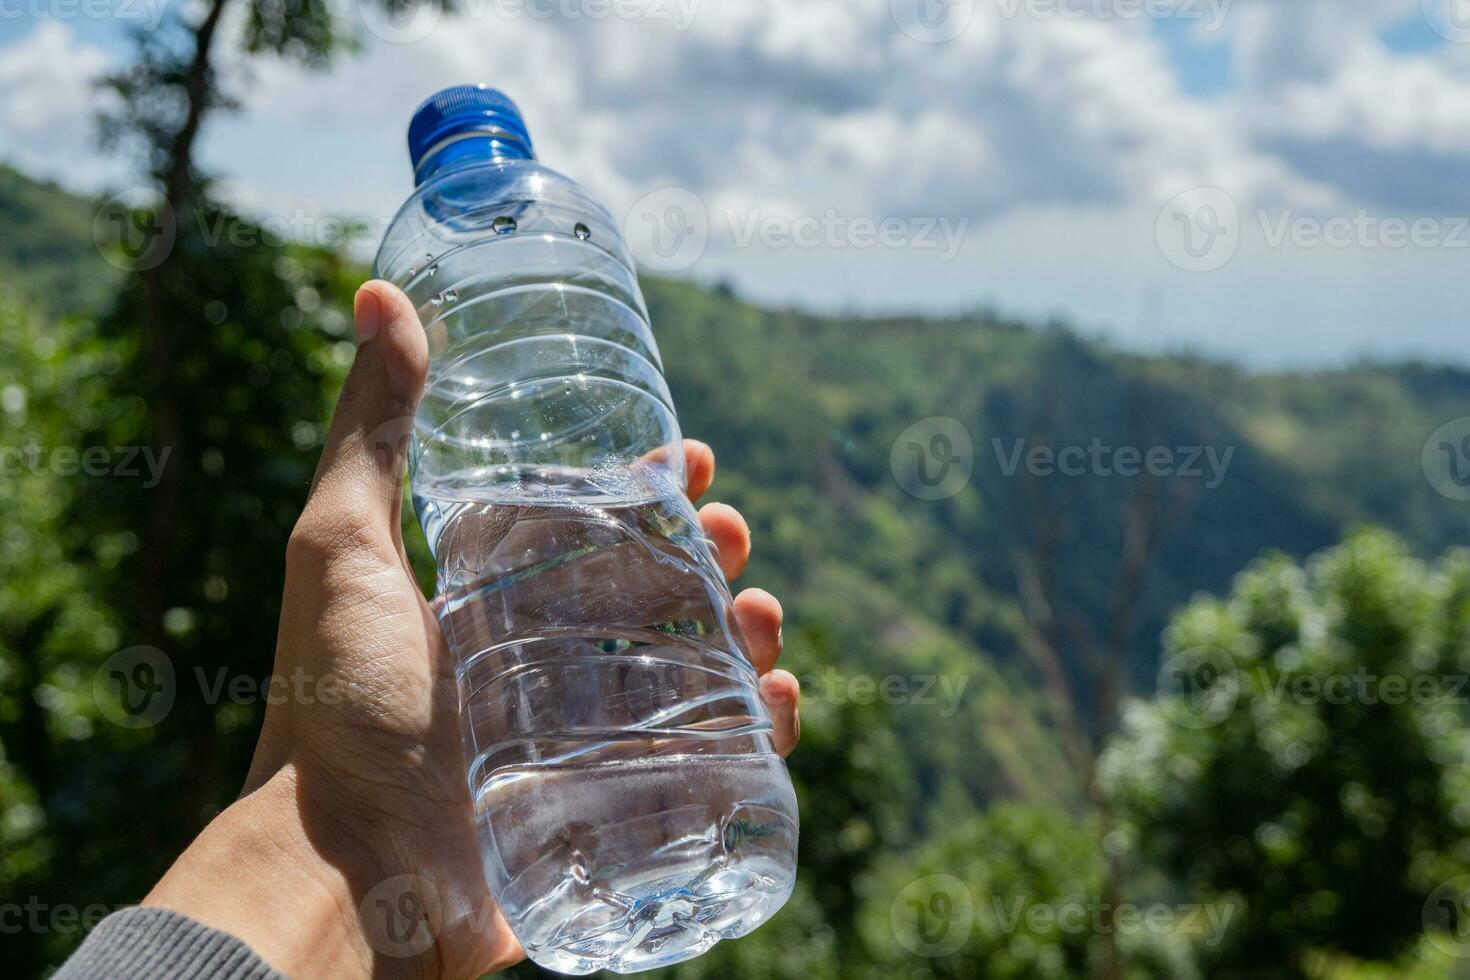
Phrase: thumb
(360, 474)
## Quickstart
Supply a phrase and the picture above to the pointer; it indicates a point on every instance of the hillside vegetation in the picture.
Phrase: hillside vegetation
(994, 611)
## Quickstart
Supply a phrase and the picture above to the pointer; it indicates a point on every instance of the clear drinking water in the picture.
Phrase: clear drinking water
(632, 811)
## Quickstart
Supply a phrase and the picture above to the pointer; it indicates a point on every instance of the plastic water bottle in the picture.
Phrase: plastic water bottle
(632, 811)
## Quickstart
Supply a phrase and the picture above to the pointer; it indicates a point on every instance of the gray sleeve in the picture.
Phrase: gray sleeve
(149, 943)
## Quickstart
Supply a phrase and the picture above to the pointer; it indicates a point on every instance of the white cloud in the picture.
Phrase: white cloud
(1057, 138)
(821, 101)
(48, 104)
(1052, 136)
(1284, 41)
(1383, 100)
(1323, 94)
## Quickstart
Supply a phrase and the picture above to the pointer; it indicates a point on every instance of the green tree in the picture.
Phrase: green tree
(217, 360)
(1307, 759)
(51, 620)
(1018, 892)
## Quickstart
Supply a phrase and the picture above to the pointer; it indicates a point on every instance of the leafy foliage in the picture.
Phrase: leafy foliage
(1319, 775)
(254, 373)
(42, 256)
(803, 411)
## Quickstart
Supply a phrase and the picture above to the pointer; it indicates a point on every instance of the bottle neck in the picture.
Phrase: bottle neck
(468, 149)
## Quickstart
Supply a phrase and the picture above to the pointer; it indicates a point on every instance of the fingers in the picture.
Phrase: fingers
(758, 615)
(360, 476)
(699, 468)
(780, 691)
(730, 536)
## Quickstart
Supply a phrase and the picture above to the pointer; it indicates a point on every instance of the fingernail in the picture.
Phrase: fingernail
(367, 315)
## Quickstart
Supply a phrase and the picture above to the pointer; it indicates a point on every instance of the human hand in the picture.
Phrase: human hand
(357, 806)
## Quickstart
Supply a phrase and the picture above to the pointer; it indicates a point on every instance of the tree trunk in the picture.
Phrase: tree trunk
(177, 177)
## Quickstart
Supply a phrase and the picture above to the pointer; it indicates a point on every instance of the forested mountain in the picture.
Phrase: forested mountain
(1015, 608)
(47, 253)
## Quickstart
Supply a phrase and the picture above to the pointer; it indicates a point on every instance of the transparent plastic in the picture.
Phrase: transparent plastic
(631, 807)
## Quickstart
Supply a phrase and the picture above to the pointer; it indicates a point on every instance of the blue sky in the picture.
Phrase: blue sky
(1282, 182)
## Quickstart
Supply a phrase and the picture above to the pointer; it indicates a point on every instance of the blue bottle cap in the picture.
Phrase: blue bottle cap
(467, 109)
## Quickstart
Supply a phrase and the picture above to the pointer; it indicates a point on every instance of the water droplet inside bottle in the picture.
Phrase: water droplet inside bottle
(583, 232)
(451, 296)
(578, 868)
(433, 270)
(438, 300)
(504, 224)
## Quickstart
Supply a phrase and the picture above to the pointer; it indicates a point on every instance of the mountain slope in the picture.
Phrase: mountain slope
(46, 254)
(805, 411)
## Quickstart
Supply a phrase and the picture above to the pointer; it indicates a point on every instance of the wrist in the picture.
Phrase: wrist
(253, 872)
